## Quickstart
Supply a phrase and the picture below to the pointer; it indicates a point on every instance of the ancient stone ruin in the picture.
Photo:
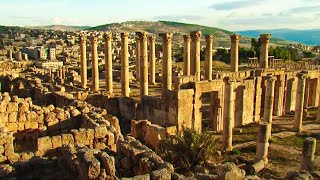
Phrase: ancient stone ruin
(58, 124)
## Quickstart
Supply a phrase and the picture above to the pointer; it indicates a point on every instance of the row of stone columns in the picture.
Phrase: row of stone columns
(234, 54)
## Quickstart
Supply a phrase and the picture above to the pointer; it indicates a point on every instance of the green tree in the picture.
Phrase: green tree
(222, 55)
(308, 54)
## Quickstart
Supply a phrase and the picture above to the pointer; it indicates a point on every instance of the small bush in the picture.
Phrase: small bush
(189, 148)
(235, 152)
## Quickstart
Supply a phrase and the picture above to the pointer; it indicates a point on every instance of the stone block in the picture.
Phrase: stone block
(31, 125)
(108, 162)
(23, 107)
(21, 126)
(3, 106)
(12, 127)
(13, 117)
(4, 117)
(50, 117)
(110, 138)
(22, 117)
(162, 174)
(44, 144)
(100, 132)
(12, 107)
(56, 141)
(80, 137)
(67, 139)
(32, 116)
(53, 125)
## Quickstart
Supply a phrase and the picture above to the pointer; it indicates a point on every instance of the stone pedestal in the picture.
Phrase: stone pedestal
(269, 99)
(307, 157)
(265, 39)
(124, 65)
(108, 62)
(167, 61)
(208, 60)
(95, 68)
(298, 115)
(234, 54)
(263, 142)
(229, 115)
(195, 58)
(152, 64)
(143, 36)
(83, 66)
(186, 55)
(137, 51)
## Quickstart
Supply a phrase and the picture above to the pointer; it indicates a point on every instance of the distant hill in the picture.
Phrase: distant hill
(62, 27)
(156, 27)
(309, 37)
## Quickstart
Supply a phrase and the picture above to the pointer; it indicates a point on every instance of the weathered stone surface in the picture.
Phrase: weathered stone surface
(108, 162)
(67, 139)
(302, 175)
(12, 107)
(56, 141)
(230, 171)
(162, 174)
(44, 144)
(100, 132)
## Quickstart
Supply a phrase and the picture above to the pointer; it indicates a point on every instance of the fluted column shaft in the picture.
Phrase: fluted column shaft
(195, 59)
(208, 60)
(229, 118)
(234, 54)
(152, 64)
(95, 68)
(143, 36)
(298, 115)
(167, 61)
(124, 65)
(83, 68)
(108, 62)
(186, 55)
(264, 39)
(137, 57)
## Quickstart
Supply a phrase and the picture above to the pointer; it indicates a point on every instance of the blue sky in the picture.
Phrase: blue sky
(226, 14)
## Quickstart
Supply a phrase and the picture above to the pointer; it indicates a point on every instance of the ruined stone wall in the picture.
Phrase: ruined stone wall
(151, 134)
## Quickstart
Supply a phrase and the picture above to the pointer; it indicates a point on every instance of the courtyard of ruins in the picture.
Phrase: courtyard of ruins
(61, 124)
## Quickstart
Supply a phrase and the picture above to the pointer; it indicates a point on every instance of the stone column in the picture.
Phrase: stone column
(263, 142)
(229, 115)
(137, 57)
(95, 65)
(108, 62)
(195, 59)
(124, 65)
(186, 55)
(264, 39)
(234, 54)
(167, 61)
(10, 54)
(269, 99)
(152, 64)
(208, 63)
(306, 94)
(83, 70)
(298, 115)
(318, 116)
(307, 157)
(143, 36)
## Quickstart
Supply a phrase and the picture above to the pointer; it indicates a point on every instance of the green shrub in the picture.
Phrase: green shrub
(189, 148)
(235, 152)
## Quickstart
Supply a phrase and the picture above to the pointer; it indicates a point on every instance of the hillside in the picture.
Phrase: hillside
(62, 27)
(309, 37)
(222, 36)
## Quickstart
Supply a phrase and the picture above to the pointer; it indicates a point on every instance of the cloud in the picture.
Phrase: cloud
(64, 21)
(303, 9)
(234, 4)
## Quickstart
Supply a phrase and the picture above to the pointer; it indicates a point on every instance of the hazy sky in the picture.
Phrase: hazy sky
(226, 14)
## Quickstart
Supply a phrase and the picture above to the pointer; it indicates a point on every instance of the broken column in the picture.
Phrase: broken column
(143, 36)
(137, 57)
(269, 99)
(264, 39)
(10, 54)
(186, 55)
(167, 61)
(263, 142)
(108, 62)
(83, 68)
(152, 67)
(307, 157)
(195, 59)
(298, 115)
(124, 65)
(229, 116)
(95, 65)
(234, 54)
(208, 62)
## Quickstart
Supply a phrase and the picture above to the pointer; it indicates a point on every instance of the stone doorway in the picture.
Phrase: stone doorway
(209, 109)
